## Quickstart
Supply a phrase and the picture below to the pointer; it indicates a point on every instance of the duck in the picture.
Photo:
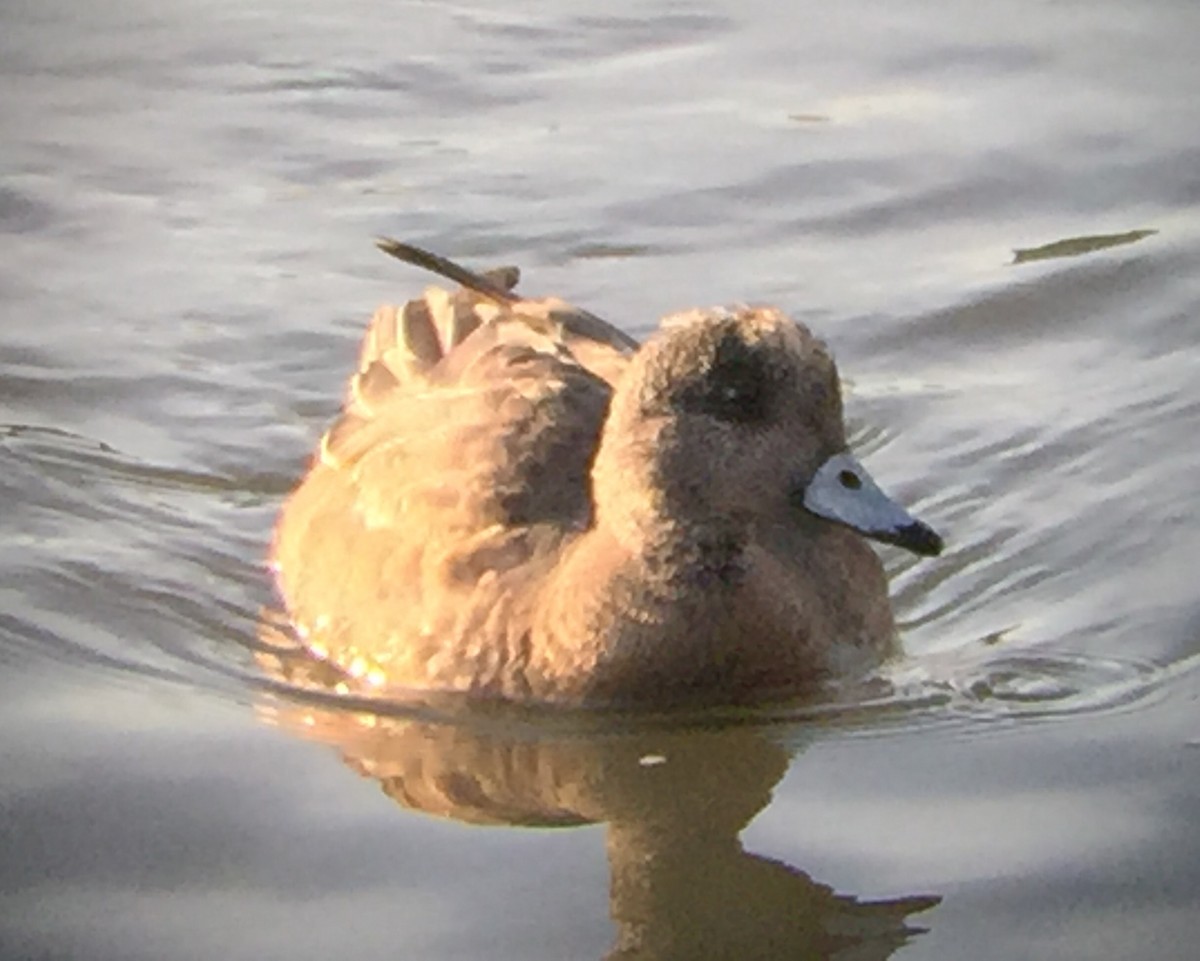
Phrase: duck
(521, 502)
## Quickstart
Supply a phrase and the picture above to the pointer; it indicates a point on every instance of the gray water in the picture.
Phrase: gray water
(989, 210)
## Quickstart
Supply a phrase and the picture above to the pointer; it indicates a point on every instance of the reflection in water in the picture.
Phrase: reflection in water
(675, 801)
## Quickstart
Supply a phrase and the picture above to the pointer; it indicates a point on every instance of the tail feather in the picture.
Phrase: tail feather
(490, 284)
(408, 345)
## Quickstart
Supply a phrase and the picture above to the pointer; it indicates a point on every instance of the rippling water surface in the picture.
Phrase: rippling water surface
(989, 210)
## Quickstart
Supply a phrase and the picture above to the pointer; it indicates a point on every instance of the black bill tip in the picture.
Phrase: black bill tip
(916, 537)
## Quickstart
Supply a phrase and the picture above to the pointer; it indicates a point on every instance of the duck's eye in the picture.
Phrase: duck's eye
(849, 480)
(736, 388)
(742, 402)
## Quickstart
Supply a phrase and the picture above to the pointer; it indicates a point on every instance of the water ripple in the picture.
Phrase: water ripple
(119, 565)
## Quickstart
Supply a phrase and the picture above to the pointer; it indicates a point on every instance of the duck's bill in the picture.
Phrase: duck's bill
(843, 491)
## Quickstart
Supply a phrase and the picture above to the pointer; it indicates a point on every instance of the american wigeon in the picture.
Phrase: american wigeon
(519, 501)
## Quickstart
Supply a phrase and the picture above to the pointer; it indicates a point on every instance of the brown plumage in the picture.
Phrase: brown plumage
(520, 501)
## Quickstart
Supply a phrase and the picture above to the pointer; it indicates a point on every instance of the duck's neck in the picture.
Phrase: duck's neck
(621, 616)
(659, 512)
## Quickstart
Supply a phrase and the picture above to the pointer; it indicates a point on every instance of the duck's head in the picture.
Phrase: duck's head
(735, 417)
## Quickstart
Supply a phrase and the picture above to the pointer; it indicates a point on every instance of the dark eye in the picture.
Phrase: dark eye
(736, 388)
(849, 480)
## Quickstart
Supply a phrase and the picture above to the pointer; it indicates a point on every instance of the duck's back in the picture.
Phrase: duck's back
(412, 552)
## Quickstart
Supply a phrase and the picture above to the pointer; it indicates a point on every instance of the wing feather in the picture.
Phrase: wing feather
(462, 456)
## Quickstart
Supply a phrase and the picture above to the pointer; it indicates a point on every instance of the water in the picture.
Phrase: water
(187, 197)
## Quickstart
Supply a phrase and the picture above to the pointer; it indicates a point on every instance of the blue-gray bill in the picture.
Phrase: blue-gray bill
(841, 490)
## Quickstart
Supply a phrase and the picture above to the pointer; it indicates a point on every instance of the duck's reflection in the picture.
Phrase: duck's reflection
(675, 802)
